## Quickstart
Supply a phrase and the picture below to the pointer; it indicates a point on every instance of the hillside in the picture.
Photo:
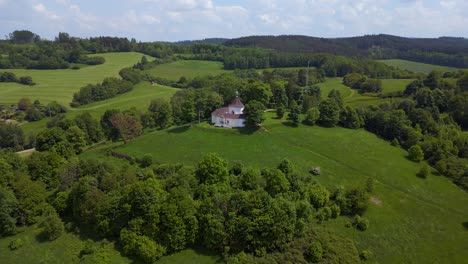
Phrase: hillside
(443, 51)
(409, 210)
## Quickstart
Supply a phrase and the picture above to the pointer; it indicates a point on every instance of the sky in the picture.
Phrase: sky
(173, 20)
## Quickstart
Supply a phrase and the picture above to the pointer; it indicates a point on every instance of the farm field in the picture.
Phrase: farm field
(59, 85)
(410, 218)
(417, 66)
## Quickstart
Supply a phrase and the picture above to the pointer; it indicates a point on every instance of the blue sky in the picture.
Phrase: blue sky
(171, 20)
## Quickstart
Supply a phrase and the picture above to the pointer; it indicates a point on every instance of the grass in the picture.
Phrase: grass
(66, 249)
(187, 68)
(418, 221)
(59, 85)
(140, 98)
(417, 66)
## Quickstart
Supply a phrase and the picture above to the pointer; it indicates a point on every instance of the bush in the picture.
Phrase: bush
(53, 226)
(315, 252)
(361, 223)
(312, 116)
(146, 161)
(365, 254)
(415, 153)
(423, 172)
(15, 244)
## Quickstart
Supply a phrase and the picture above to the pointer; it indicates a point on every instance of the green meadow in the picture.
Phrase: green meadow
(59, 85)
(411, 220)
(187, 68)
(417, 66)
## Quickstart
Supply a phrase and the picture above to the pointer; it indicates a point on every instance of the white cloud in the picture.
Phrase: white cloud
(41, 9)
(150, 19)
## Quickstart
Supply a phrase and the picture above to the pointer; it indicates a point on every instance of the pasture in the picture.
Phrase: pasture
(417, 66)
(187, 68)
(413, 216)
(59, 85)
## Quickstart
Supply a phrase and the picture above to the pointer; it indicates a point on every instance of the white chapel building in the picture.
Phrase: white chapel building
(231, 116)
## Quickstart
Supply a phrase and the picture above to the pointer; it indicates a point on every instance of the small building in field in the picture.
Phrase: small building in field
(230, 116)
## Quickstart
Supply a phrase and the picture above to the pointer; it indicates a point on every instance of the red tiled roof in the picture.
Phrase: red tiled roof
(224, 112)
(236, 102)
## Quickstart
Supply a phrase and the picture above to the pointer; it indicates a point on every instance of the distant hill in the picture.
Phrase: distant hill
(447, 51)
(219, 41)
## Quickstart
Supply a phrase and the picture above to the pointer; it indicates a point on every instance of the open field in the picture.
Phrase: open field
(187, 68)
(415, 216)
(59, 85)
(140, 97)
(417, 66)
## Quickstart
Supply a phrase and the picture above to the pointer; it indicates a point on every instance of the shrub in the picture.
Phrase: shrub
(423, 172)
(315, 252)
(146, 161)
(365, 254)
(415, 153)
(53, 226)
(15, 244)
(312, 116)
(361, 223)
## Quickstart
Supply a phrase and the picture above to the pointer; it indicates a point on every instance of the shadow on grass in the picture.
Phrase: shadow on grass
(288, 124)
(179, 130)
(465, 225)
(248, 130)
(42, 237)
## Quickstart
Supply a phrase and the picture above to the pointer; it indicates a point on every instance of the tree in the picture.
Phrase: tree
(8, 205)
(335, 95)
(254, 113)
(77, 138)
(295, 113)
(312, 115)
(11, 136)
(160, 111)
(128, 126)
(413, 87)
(462, 83)
(350, 118)
(276, 181)
(329, 113)
(415, 153)
(212, 169)
(423, 172)
(280, 112)
(24, 104)
(90, 126)
(52, 225)
(110, 132)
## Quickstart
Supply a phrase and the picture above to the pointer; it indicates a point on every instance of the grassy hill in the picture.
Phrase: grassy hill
(187, 68)
(140, 97)
(417, 66)
(59, 85)
(409, 217)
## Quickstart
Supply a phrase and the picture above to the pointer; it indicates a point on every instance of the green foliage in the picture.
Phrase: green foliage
(147, 160)
(109, 88)
(315, 252)
(52, 225)
(350, 118)
(160, 114)
(423, 172)
(11, 136)
(254, 113)
(329, 113)
(318, 195)
(16, 244)
(312, 116)
(280, 111)
(8, 212)
(294, 113)
(276, 181)
(77, 138)
(212, 169)
(415, 153)
(365, 254)
(90, 126)
(361, 223)
(141, 246)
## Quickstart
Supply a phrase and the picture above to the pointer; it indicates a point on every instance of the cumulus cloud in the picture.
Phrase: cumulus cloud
(41, 9)
(193, 19)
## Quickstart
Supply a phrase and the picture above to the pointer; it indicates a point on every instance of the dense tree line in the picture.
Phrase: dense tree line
(442, 51)
(109, 88)
(240, 212)
(362, 83)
